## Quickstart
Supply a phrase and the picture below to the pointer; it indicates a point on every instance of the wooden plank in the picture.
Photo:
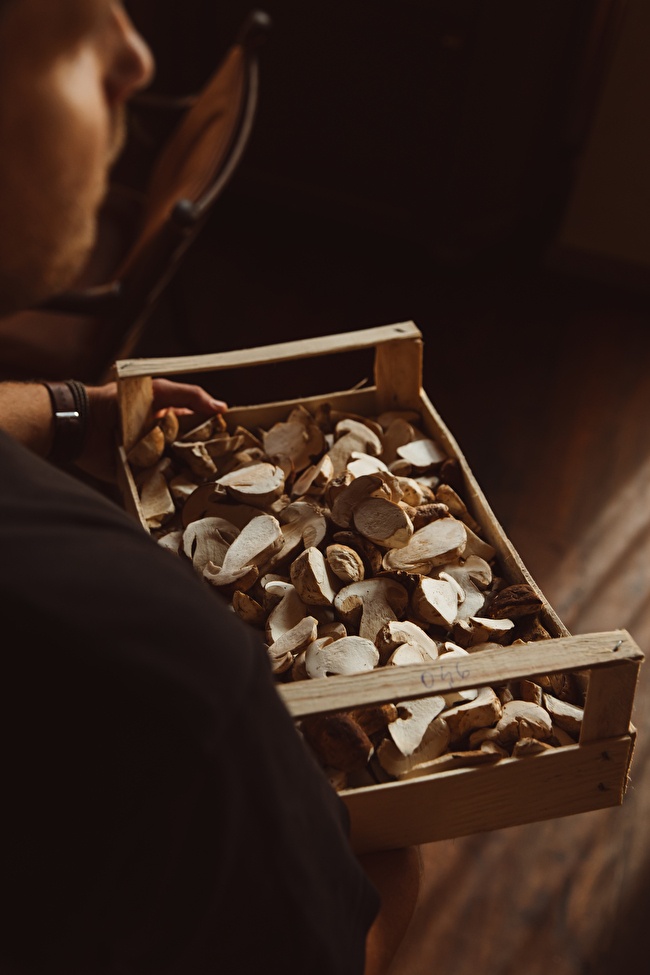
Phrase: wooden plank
(261, 355)
(398, 375)
(129, 490)
(610, 700)
(493, 666)
(135, 399)
(569, 780)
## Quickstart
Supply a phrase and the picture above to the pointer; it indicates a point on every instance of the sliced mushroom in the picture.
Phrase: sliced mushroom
(383, 522)
(314, 479)
(258, 485)
(345, 563)
(435, 544)
(482, 712)
(398, 633)
(293, 641)
(350, 655)
(314, 581)
(286, 614)
(370, 604)
(248, 609)
(564, 715)
(415, 716)
(523, 719)
(421, 454)
(297, 438)
(148, 450)
(208, 540)
(469, 575)
(347, 497)
(435, 601)
(251, 547)
(195, 456)
(433, 743)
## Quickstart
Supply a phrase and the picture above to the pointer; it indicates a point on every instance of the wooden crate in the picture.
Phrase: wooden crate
(571, 779)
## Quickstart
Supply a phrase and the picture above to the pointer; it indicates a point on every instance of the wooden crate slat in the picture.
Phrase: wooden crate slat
(569, 780)
(494, 666)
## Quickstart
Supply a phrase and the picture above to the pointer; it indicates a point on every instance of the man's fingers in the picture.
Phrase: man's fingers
(187, 396)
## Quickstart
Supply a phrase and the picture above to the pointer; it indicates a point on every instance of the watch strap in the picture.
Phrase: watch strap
(70, 413)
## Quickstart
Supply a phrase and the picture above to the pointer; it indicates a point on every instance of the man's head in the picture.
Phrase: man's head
(67, 67)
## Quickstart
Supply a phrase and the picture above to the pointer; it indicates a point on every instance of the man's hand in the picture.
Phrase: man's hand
(98, 456)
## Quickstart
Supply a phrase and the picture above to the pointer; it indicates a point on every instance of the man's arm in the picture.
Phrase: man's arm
(26, 415)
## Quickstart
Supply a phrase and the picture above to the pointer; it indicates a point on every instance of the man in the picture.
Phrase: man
(160, 812)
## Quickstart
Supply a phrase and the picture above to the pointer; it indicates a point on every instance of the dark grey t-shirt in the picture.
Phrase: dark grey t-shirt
(161, 813)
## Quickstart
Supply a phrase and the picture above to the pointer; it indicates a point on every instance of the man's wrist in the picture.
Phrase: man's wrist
(70, 418)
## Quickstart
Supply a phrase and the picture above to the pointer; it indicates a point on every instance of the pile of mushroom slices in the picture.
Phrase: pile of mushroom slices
(346, 542)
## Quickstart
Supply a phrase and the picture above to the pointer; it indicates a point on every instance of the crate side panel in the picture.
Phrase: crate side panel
(570, 780)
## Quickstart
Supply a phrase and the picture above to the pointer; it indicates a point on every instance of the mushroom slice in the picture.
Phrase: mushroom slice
(313, 579)
(523, 719)
(349, 655)
(484, 630)
(414, 493)
(415, 717)
(435, 544)
(257, 484)
(398, 633)
(398, 432)
(205, 429)
(345, 563)
(565, 715)
(314, 479)
(446, 495)
(351, 436)
(433, 743)
(361, 463)
(436, 601)
(295, 640)
(370, 604)
(484, 711)
(469, 575)
(181, 487)
(349, 496)
(208, 540)
(477, 546)
(298, 438)
(195, 456)
(421, 454)
(286, 614)
(148, 450)
(383, 522)
(172, 541)
(305, 519)
(255, 542)
(248, 609)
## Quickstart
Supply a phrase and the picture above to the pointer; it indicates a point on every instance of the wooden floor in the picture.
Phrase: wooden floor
(546, 384)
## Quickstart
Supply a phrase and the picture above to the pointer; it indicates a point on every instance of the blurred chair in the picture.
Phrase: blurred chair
(143, 235)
